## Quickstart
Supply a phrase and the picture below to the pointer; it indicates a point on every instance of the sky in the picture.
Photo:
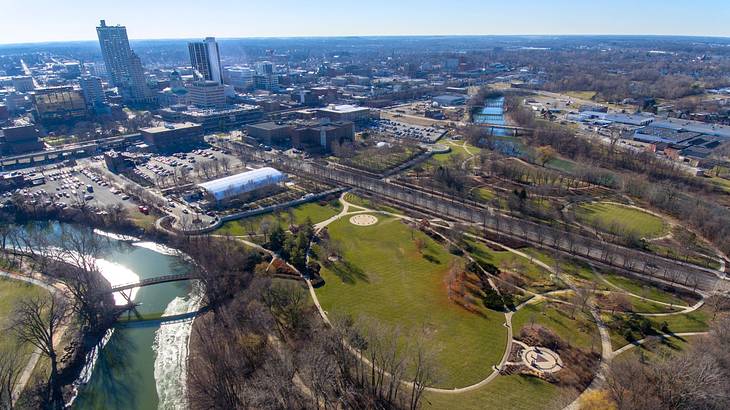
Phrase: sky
(26, 21)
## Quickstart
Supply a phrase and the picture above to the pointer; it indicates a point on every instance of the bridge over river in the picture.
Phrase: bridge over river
(149, 282)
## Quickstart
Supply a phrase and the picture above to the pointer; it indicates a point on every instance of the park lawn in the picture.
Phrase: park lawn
(513, 392)
(608, 214)
(146, 222)
(722, 183)
(312, 210)
(537, 279)
(579, 332)
(561, 164)
(696, 321)
(695, 258)
(12, 292)
(656, 349)
(382, 159)
(582, 95)
(483, 194)
(367, 203)
(580, 272)
(457, 148)
(645, 306)
(383, 277)
(638, 288)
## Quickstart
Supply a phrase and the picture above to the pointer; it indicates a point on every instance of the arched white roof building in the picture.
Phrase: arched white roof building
(238, 184)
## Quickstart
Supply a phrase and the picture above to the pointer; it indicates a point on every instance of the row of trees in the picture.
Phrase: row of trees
(638, 174)
(262, 346)
(693, 379)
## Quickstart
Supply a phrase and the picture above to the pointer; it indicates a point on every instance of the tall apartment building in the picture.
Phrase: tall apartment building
(122, 64)
(93, 91)
(205, 59)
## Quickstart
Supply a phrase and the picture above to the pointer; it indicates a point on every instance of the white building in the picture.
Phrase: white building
(234, 185)
(207, 94)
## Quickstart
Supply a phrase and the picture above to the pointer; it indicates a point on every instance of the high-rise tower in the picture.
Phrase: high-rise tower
(206, 59)
(122, 64)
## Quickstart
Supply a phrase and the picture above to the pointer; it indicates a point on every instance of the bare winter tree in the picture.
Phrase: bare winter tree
(37, 321)
(10, 368)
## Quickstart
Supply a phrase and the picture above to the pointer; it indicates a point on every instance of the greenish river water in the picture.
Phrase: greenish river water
(141, 365)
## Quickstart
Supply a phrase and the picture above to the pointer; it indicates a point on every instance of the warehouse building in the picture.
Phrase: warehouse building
(219, 190)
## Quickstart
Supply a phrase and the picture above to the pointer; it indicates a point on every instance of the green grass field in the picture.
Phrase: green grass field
(697, 321)
(583, 95)
(483, 194)
(580, 332)
(382, 276)
(11, 292)
(503, 393)
(457, 148)
(657, 349)
(638, 288)
(314, 211)
(561, 164)
(606, 215)
(537, 279)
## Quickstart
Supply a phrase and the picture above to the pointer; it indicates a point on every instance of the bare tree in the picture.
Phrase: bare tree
(10, 368)
(37, 321)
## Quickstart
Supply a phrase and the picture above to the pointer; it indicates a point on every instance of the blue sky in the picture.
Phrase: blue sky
(59, 20)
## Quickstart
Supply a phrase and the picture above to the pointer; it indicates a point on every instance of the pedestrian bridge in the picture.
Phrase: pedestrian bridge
(149, 282)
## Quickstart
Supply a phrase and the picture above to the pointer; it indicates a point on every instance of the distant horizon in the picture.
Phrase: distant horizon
(44, 21)
(374, 36)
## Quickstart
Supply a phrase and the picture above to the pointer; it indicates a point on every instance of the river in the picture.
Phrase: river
(493, 113)
(141, 365)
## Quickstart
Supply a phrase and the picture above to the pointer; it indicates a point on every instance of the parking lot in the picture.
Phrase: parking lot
(410, 131)
(74, 186)
(196, 166)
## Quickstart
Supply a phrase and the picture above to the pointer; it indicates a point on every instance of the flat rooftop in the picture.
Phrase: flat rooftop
(344, 108)
(271, 125)
(170, 127)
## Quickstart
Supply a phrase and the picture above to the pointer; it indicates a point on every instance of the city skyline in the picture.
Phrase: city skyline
(183, 20)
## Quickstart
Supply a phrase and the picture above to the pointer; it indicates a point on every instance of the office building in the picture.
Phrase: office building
(122, 64)
(271, 133)
(317, 135)
(205, 59)
(207, 94)
(322, 135)
(19, 138)
(265, 78)
(23, 84)
(55, 105)
(239, 77)
(217, 119)
(344, 113)
(173, 137)
(92, 90)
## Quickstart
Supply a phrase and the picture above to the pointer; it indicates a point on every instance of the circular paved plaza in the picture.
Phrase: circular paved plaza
(363, 220)
(542, 359)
